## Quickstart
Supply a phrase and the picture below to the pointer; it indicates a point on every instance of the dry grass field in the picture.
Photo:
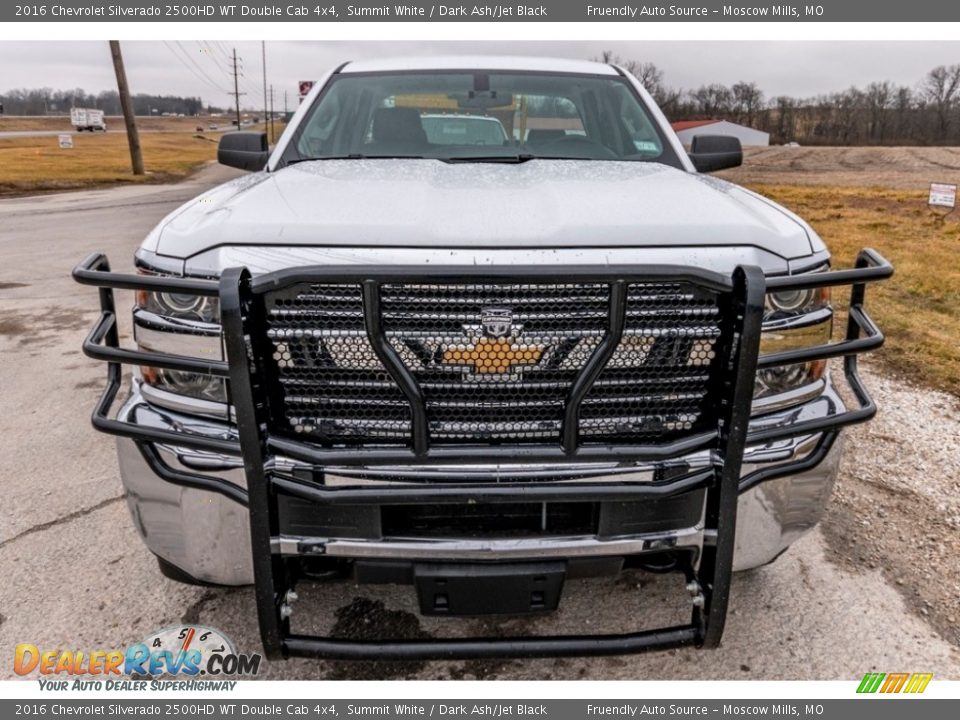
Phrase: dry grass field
(877, 197)
(38, 164)
(919, 308)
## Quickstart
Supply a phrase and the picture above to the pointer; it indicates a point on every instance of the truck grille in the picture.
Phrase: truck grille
(495, 362)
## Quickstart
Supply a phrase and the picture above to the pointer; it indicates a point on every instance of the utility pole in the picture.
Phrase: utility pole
(263, 53)
(285, 111)
(236, 86)
(273, 132)
(133, 137)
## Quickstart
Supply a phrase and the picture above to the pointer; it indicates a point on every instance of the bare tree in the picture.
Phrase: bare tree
(786, 118)
(940, 89)
(904, 109)
(747, 102)
(711, 101)
(879, 98)
(649, 75)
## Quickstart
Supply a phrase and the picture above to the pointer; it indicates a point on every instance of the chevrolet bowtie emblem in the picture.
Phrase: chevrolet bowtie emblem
(493, 356)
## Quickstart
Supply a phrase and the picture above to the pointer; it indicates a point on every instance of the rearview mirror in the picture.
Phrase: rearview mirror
(483, 100)
(243, 150)
(715, 152)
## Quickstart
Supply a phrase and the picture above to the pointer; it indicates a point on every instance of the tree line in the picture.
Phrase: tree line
(47, 101)
(882, 113)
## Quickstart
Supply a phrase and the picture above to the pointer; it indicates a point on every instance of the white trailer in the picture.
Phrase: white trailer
(87, 119)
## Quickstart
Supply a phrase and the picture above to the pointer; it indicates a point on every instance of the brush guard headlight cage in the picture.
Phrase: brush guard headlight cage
(741, 297)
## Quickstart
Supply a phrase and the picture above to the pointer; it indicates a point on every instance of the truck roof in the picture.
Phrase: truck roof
(480, 62)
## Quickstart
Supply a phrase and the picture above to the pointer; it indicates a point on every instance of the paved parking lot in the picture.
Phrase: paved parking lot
(75, 574)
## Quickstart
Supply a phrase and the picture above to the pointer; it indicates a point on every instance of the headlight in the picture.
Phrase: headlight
(786, 378)
(793, 319)
(193, 385)
(180, 306)
(180, 324)
(786, 303)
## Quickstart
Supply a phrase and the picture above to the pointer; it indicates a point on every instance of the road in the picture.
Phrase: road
(76, 575)
(69, 130)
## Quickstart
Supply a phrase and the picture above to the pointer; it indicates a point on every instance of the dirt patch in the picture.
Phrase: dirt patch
(896, 508)
(889, 167)
(856, 543)
(88, 385)
(365, 619)
(12, 325)
(32, 326)
(12, 285)
(493, 628)
(191, 616)
(60, 318)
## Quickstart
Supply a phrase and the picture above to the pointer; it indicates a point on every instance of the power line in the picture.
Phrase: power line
(223, 50)
(206, 80)
(196, 64)
(249, 87)
(209, 53)
(184, 57)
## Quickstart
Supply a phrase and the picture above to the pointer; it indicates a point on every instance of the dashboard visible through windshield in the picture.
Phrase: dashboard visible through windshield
(479, 116)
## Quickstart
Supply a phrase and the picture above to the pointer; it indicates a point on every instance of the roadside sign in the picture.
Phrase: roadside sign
(66, 141)
(943, 195)
(305, 87)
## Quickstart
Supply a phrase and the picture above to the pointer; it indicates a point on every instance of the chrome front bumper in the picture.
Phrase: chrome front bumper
(207, 535)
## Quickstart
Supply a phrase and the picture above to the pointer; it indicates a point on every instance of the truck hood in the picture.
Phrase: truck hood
(432, 204)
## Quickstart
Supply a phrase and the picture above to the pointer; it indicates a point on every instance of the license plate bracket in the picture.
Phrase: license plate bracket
(500, 589)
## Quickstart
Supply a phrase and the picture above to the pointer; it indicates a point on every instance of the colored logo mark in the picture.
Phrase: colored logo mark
(894, 682)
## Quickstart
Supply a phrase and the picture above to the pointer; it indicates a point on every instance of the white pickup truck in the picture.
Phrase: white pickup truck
(484, 368)
(87, 119)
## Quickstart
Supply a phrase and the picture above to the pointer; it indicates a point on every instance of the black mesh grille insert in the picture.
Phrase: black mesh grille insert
(495, 361)
(490, 520)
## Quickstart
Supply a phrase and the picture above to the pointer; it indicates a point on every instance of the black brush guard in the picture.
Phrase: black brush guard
(242, 312)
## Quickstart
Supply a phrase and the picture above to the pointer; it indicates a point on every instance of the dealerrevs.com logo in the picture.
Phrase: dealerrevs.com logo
(184, 652)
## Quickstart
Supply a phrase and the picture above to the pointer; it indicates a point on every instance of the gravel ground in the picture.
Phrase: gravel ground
(896, 506)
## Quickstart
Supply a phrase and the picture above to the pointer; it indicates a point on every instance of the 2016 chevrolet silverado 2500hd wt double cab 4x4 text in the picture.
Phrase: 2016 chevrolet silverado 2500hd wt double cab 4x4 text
(551, 351)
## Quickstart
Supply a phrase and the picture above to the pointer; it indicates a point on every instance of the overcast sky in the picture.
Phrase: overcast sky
(201, 68)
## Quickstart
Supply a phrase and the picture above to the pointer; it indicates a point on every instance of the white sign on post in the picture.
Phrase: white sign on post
(66, 142)
(943, 195)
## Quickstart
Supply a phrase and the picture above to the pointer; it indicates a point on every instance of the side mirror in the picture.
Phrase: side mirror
(244, 150)
(715, 152)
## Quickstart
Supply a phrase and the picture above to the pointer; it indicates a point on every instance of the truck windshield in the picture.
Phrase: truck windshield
(479, 116)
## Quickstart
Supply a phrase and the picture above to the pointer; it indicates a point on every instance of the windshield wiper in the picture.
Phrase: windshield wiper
(513, 158)
(355, 156)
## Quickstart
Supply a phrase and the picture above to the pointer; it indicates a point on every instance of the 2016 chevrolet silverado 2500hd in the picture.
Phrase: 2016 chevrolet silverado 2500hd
(552, 349)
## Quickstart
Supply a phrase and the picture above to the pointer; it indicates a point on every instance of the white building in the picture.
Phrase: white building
(687, 129)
